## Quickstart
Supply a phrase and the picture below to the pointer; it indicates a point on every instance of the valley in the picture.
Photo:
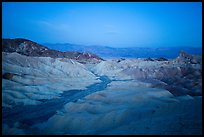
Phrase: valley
(53, 92)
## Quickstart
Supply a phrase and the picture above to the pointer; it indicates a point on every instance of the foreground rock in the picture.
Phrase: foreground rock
(27, 80)
(128, 108)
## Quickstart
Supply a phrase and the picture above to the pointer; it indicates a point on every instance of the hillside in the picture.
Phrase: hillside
(30, 48)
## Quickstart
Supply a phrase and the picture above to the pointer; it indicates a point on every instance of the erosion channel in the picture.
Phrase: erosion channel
(29, 115)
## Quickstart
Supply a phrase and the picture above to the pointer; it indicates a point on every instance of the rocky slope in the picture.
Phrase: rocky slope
(28, 79)
(30, 48)
(180, 76)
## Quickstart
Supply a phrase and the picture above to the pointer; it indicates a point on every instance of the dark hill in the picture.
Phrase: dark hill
(30, 48)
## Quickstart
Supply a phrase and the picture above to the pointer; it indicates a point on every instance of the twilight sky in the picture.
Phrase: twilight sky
(116, 24)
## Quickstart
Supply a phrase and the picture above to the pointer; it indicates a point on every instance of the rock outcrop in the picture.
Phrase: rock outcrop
(187, 58)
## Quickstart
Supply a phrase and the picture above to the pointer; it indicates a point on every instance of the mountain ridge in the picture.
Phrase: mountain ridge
(30, 48)
(129, 52)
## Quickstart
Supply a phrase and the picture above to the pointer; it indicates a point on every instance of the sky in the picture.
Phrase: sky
(114, 24)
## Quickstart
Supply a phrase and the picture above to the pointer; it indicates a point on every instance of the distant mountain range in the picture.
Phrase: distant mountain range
(133, 52)
(81, 52)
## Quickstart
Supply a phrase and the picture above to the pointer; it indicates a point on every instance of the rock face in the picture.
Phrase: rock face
(30, 48)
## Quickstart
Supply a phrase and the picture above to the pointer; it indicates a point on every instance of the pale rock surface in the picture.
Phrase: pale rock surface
(121, 109)
(36, 78)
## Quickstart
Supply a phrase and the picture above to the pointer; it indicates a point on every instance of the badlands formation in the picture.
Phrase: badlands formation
(84, 94)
